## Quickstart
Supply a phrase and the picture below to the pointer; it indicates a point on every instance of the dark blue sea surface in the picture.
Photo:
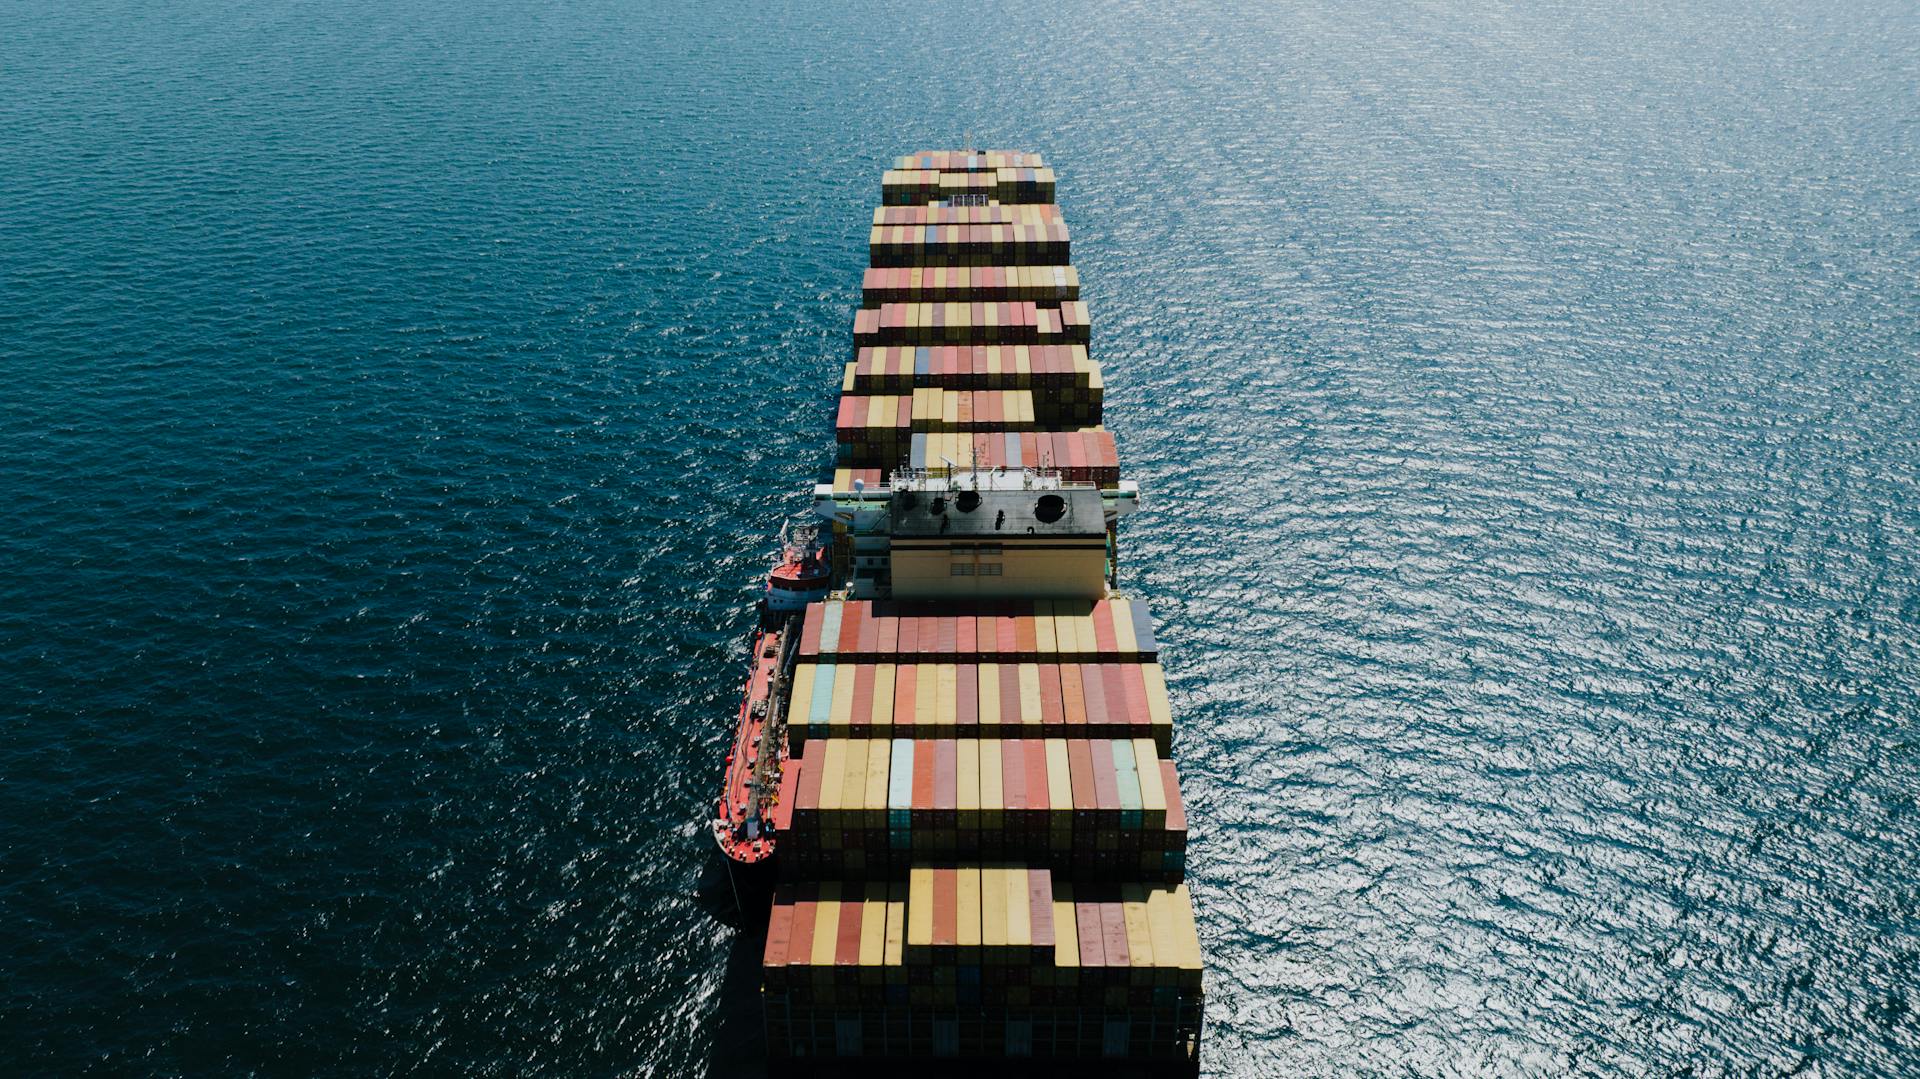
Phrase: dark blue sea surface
(398, 400)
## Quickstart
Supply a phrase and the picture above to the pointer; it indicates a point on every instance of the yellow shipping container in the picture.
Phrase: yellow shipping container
(802, 696)
(947, 677)
(991, 795)
(1157, 707)
(826, 925)
(1066, 933)
(920, 907)
(993, 913)
(1160, 925)
(1059, 781)
(1047, 643)
(1019, 915)
(967, 932)
(1030, 693)
(1153, 796)
(853, 786)
(833, 772)
(879, 763)
(1187, 936)
(1133, 908)
(1123, 638)
(968, 786)
(841, 714)
(987, 693)
(873, 927)
(926, 710)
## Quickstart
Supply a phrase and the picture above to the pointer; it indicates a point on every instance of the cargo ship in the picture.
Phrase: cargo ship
(953, 758)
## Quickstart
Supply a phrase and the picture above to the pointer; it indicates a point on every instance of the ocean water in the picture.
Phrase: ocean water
(399, 400)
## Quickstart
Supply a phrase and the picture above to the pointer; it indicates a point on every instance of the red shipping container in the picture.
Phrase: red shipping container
(946, 908)
(1093, 936)
(1176, 807)
(846, 951)
(863, 675)
(1106, 784)
(1039, 801)
(810, 629)
(1103, 633)
(1024, 639)
(779, 933)
(812, 762)
(908, 631)
(948, 634)
(887, 644)
(946, 782)
(905, 687)
(1013, 779)
(1052, 709)
(967, 712)
(850, 618)
(1040, 907)
(963, 630)
(1072, 698)
(789, 794)
(1094, 692)
(1080, 768)
(800, 935)
(1010, 696)
(924, 771)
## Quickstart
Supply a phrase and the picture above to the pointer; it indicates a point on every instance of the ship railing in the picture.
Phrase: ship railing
(954, 477)
(773, 731)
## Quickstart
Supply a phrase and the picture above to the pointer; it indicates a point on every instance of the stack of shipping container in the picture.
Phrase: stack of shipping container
(981, 837)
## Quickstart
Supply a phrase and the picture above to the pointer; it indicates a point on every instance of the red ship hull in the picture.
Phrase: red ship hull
(745, 816)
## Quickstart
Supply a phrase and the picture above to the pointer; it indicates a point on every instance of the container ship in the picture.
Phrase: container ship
(952, 769)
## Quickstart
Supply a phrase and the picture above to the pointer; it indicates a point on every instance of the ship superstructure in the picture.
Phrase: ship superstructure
(981, 842)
